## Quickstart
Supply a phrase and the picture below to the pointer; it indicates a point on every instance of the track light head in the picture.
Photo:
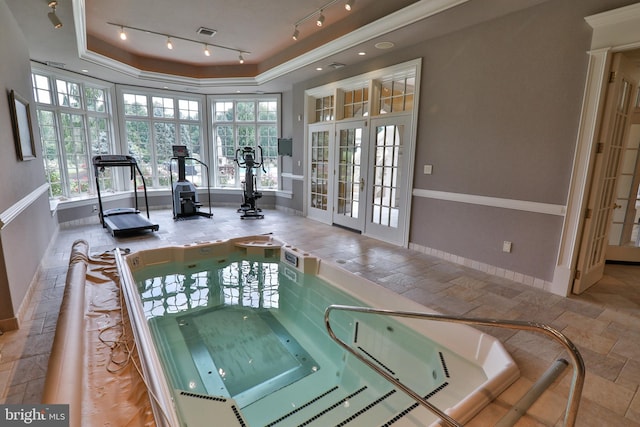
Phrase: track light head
(320, 19)
(296, 33)
(55, 21)
(207, 52)
(123, 35)
(241, 58)
(169, 43)
(349, 4)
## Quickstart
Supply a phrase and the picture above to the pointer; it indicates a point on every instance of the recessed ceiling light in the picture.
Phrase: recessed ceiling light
(318, 68)
(384, 45)
(85, 71)
(362, 53)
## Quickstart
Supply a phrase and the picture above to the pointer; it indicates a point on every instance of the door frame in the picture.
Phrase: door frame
(613, 31)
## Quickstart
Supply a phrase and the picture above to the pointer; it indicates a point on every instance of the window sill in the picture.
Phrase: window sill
(70, 203)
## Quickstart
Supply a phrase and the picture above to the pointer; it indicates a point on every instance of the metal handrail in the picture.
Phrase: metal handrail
(577, 381)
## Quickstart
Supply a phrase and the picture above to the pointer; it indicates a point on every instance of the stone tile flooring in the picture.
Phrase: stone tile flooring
(604, 322)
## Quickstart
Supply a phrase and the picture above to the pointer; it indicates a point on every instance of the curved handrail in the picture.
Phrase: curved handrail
(577, 381)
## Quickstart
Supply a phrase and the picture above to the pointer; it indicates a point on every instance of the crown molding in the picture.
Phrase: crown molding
(409, 15)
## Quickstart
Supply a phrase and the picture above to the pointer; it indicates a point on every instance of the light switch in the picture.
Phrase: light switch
(428, 169)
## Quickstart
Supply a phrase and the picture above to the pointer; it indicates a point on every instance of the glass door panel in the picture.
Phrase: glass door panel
(351, 160)
(319, 188)
(388, 198)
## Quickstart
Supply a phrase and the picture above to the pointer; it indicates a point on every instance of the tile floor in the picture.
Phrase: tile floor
(604, 322)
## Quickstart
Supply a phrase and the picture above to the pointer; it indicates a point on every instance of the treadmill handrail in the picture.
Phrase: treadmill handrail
(119, 160)
(109, 160)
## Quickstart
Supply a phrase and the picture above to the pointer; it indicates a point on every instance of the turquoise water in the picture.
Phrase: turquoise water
(253, 330)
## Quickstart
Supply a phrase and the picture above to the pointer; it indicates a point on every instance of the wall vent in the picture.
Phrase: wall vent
(56, 64)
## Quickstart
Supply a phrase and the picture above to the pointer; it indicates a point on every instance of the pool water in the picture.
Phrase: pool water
(251, 329)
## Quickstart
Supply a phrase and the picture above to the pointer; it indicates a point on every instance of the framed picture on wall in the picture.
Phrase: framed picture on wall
(22, 130)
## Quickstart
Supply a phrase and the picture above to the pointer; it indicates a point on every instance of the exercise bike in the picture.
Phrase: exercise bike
(249, 191)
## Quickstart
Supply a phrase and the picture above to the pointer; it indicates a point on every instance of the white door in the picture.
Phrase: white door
(350, 166)
(615, 125)
(624, 236)
(320, 183)
(387, 183)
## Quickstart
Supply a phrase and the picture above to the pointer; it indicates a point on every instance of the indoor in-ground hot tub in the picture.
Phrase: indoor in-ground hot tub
(233, 331)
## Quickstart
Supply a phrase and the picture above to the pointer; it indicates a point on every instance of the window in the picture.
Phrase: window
(239, 123)
(156, 122)
(397, 95)
(324, 109)
(75, 125)
(356, 103)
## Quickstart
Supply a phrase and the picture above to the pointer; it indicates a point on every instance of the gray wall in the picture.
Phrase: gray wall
(24, 240)
(500, 104)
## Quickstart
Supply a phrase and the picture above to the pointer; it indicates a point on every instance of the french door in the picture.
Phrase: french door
(624, 235)
(359, 176)
(350, 170)
(389, 179)
(320, 182)
(601, 204)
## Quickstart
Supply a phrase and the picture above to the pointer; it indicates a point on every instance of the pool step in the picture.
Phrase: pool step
(364, 406)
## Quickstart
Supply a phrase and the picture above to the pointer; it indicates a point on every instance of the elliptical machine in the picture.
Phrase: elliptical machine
(184, 194)
(249, 192)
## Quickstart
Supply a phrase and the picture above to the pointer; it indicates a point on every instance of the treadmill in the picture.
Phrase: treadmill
(123, 221)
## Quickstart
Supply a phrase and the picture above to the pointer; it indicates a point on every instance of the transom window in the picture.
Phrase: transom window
(397, 95)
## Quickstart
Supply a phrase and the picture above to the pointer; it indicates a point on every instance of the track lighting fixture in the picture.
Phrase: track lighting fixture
(55, 21)
(169, 39)
(318, 14)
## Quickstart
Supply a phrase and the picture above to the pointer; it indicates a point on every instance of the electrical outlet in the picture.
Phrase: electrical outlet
(506, 246)
(95, 208)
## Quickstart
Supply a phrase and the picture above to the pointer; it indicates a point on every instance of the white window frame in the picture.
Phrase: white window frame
(211, 100)
(57, 110)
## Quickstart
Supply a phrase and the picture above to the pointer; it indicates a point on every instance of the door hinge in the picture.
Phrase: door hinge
(578, 274)
(599, 147)
(612, 77)
(587, 213)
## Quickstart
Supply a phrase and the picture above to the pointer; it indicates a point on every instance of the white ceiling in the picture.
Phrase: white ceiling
(87, 42)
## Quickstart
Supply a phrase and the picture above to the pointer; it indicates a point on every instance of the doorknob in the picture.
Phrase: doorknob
(361, 184)
(616, 206)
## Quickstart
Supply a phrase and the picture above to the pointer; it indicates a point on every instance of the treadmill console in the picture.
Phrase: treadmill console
(180, 151)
